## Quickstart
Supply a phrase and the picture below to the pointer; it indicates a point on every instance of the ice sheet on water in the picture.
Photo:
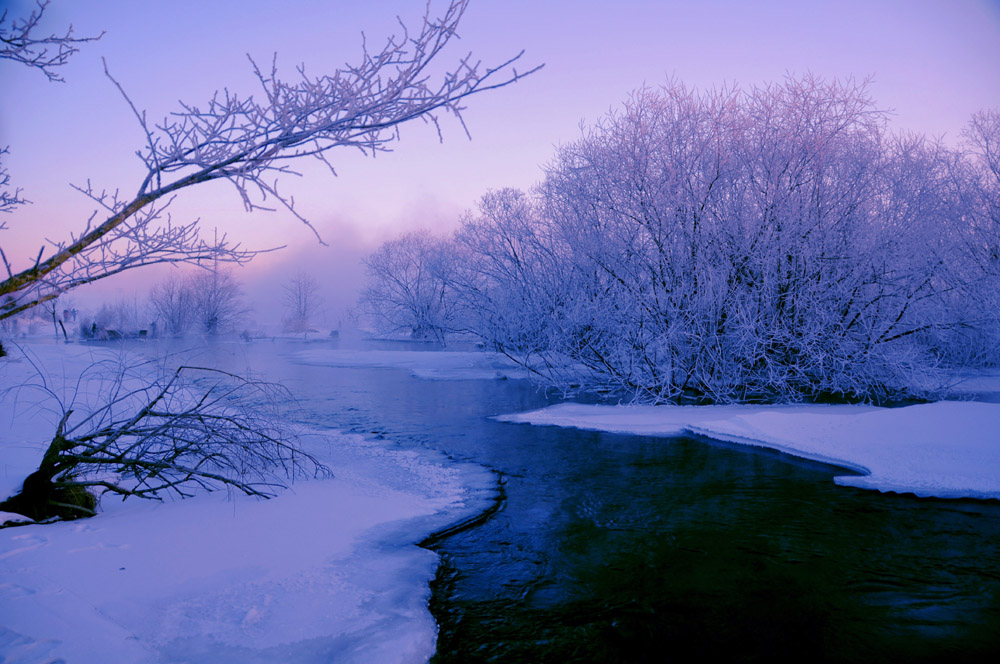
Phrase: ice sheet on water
(945, 449)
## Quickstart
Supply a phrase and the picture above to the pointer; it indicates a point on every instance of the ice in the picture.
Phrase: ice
(948, 449)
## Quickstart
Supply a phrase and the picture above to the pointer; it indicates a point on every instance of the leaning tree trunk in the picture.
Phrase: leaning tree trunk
(42, 496)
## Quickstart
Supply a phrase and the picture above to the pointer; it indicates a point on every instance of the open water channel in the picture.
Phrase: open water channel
(616, 548)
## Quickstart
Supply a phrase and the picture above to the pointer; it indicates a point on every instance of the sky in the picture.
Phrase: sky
(933, 63)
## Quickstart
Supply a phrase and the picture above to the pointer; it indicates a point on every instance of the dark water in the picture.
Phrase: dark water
(613, 548)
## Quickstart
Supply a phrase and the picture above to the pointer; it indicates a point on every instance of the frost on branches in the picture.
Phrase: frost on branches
(408, 290)
(251, 142)
(776, 242)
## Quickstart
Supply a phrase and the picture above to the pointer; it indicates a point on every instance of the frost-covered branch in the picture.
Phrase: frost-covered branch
(21, 42)
(250, 142)
(9, 200)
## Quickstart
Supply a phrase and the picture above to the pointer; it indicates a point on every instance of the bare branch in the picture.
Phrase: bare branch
(21, 42)
(192, 429)
(9, 200)
(250, 144)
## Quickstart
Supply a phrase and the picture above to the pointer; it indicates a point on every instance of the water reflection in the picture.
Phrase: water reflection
(684, 546)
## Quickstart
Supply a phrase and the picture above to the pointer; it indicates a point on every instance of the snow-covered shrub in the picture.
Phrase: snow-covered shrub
(777, 242)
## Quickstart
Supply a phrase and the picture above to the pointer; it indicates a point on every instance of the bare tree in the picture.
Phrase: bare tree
(302, 299)
(172, 302)
(191, 429)
(51, 309)
(250, 143)
(217, 301)
(408, 287)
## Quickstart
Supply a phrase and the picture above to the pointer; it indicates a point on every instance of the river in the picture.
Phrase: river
(616, 548)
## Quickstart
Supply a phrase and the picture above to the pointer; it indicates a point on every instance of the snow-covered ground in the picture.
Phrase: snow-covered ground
(947, 449)
(326, 571)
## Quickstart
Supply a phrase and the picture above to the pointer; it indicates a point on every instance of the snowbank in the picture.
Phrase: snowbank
(438, 365)
(944, 449)
(324, 572)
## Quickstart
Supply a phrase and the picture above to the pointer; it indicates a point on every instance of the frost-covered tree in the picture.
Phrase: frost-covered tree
(982, 139)
(771, 242)
(250, 142)
(302, 299)
(209, 301)
(172, 304)
(511, 277)
(123, 317)
(407, 287)
(976, 183)
(217, 301)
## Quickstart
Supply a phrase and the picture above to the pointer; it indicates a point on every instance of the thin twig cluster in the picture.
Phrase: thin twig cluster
(21, 42)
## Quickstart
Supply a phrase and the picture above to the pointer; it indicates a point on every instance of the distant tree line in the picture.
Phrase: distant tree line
(775, 242)
(200, 302)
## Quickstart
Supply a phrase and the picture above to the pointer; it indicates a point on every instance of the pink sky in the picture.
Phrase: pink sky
(934, 63)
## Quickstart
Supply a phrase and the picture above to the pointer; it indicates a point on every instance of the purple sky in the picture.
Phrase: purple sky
(934, 63)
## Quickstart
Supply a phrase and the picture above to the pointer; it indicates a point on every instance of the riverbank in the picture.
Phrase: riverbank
(326, 571)
(946, 449)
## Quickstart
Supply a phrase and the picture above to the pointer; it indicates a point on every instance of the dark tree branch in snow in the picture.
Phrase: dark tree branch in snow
(191, 429)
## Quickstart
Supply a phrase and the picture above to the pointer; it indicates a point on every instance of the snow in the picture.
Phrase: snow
(326, 571)
(434, 365)
(948, 449)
